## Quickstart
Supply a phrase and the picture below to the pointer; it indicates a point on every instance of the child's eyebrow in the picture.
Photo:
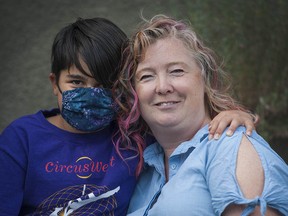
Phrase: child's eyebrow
(77, 76)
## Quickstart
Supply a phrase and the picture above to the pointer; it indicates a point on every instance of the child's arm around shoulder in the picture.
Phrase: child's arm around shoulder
(232, 119)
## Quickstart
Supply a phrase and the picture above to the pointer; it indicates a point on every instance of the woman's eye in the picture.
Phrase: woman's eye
(145, 77)
(177, 72)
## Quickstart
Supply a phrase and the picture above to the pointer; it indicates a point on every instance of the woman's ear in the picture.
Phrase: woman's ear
(53, 81)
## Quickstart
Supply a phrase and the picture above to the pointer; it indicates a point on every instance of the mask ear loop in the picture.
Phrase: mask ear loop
(59, 87)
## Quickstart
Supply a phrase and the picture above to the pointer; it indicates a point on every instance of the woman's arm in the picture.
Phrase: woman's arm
(250, 177)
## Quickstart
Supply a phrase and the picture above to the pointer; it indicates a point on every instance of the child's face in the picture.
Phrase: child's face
(71, 79)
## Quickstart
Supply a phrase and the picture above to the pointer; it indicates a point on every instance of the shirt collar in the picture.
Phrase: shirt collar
(154, 152)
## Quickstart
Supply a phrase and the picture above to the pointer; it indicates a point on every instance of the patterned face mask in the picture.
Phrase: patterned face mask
(88, 109)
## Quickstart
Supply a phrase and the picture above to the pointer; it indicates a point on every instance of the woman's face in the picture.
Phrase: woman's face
(170, 87)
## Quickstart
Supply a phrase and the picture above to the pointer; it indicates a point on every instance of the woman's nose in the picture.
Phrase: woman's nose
(163, 85)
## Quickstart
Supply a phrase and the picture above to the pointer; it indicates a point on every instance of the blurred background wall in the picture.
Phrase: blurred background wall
(250, 37)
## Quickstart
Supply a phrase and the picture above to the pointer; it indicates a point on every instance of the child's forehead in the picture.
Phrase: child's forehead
(82, 67)
(85, 72)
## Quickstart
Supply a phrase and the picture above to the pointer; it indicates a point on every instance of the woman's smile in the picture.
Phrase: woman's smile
(166, 104)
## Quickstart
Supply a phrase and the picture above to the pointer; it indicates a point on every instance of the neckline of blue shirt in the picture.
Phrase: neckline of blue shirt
(155, 150)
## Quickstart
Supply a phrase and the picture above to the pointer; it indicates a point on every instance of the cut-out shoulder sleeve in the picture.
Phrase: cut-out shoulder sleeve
(246, 171)
(249, 170)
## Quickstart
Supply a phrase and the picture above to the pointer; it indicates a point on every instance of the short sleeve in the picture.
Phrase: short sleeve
(222, 181)
(13, 159)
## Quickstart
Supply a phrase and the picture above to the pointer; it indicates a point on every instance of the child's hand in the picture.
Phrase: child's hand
(233, 119)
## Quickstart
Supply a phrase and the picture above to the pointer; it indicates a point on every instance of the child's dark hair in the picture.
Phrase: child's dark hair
(98, 42)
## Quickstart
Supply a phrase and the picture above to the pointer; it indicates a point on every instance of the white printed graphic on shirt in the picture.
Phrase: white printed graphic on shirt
(78, 203)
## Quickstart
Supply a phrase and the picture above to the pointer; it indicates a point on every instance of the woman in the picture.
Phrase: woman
(174, 82)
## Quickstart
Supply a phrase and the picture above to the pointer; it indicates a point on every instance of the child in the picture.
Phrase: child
(63, 161)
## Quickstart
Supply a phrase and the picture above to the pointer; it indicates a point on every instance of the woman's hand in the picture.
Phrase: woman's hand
(233, 119)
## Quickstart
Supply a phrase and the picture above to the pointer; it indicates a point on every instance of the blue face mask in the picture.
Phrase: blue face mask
(88, 109)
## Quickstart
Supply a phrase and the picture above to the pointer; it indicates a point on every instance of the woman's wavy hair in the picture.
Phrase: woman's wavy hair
(133, 128)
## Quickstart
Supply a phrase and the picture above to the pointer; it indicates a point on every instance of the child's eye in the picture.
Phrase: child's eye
(77, 82)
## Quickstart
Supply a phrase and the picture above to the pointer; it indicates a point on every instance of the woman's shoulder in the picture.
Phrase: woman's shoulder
(226, 146)
(240, 163)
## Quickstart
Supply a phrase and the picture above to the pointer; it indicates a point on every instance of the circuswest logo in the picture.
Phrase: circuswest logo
(83, 167)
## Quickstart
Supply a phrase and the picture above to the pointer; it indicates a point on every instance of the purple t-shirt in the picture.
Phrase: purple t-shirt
(46, 170)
